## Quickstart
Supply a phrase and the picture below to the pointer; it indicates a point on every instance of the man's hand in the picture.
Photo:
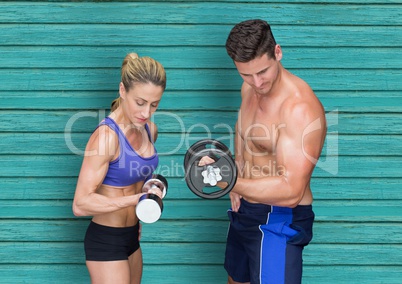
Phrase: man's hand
(206, 160)
(235, 201)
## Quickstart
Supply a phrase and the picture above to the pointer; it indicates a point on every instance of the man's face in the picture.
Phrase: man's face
(260, 73)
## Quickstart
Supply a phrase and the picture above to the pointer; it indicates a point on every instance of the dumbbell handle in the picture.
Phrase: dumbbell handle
(211, 175)
(156, 182)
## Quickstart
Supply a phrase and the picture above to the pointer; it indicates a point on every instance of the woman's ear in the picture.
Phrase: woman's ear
(278, 52)
(122, 90)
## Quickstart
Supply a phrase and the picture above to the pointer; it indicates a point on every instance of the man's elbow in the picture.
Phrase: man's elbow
(292, 200)
(292, 204)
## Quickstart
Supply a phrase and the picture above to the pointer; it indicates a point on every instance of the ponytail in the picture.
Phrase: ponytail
(140, 70)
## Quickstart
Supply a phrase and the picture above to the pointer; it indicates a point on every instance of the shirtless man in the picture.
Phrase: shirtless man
(280, 133)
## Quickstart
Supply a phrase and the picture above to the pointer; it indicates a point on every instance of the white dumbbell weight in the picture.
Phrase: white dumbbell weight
(150, 206)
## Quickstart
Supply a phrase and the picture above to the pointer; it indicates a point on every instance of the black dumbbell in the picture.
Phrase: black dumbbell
(202, 180)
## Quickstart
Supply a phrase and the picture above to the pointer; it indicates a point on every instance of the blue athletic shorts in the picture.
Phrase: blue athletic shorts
(265, 243)
(103, 243)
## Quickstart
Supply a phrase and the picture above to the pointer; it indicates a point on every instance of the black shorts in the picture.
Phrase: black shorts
(103, 243)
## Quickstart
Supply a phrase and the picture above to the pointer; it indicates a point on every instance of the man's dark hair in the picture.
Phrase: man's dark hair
(250, 39)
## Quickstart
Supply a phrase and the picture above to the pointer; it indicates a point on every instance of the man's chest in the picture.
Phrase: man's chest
(260, 131)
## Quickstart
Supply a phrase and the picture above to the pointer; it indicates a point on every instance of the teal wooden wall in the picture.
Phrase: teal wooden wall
(59, 71)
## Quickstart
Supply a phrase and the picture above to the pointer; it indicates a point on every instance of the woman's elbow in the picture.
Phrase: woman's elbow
(77, 211)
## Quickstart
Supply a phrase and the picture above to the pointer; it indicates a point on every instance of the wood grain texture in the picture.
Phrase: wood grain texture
(194, 79)
(324, 188)
(175, 144)
(181, 230)
(201, 253)
(59, 71)
(172, 166)
(281, 13)
(185, 124)
(188, 35)
(333, 101)
(201, 274)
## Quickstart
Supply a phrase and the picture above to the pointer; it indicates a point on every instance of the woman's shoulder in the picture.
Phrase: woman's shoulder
(103, 140)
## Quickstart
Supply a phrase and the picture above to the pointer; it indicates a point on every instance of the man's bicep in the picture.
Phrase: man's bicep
(304, 139)
(293, 157)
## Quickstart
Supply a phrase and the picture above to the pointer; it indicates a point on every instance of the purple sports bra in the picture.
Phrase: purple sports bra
(129, 167)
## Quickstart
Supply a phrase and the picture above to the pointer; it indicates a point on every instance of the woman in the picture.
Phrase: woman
(119, 157)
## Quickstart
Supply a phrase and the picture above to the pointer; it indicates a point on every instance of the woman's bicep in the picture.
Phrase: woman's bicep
(98, 154)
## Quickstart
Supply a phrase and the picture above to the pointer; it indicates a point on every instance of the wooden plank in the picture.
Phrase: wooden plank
(112, 57)
(324, 188)
(314, 254)
(176, 144)
(199, 12)
(342, 101)
(356, 188)
(200, 209)
(45, 273)
(73, 253)
(35, 230)
(194, 79)
(193, 56)
(172, 166)
(186, 125)
(77, 273)
(198, 274)
(364, 254)
(190, 35)
(45, 100)
(61, 188)
(207, 231)
(358, 211)
(343, 274)
(199, 253)
(357, 233)
(361, 101)
(55, 209)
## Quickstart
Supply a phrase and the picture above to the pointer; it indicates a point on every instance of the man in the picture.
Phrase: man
(280, 133)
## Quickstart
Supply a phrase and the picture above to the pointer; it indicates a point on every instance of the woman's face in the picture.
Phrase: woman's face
(140, 102)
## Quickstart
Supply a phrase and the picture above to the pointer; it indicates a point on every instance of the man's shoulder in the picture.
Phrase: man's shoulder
(301, 103)
(299, 92)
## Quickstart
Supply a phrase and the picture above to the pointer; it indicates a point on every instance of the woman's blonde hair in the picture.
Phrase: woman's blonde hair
(140, 70)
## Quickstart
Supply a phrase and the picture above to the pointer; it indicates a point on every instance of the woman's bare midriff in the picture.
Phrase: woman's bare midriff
(125, 217)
